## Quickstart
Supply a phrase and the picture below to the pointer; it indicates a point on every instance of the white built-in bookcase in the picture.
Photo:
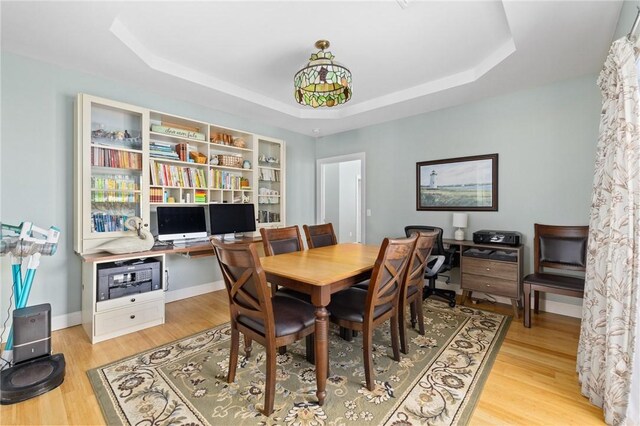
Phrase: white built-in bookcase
(124, 167)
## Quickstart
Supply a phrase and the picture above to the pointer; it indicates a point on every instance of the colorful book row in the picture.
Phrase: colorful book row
(114, 197)
(104, 157)
(219, 179)
(170, 175)
(104, 222)
(114, 182)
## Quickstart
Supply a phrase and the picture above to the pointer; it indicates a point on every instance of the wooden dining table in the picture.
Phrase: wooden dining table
(321, 272)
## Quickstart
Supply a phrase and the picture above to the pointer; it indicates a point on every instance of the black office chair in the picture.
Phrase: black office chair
(436, 267)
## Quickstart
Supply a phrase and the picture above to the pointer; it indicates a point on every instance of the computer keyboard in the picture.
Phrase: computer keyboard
(190, 242)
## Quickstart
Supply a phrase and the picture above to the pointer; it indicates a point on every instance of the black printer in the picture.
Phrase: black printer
(485, 236)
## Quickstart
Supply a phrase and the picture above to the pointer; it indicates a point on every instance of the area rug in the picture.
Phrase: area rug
(184, 382)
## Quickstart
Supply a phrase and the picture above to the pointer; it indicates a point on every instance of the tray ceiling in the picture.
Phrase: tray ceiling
(240, 57)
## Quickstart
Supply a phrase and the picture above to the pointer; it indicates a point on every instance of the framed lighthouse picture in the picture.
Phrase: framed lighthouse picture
(465, 183)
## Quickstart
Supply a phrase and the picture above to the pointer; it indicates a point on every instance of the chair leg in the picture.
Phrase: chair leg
(367, 337)
(413, 312)
(310, 347)
(233, 355)
(270, 384)
(527, 304)
(394, 337)
(247, 346)
(346, 334)
(536, 301)
(402, 326)
(418, 308)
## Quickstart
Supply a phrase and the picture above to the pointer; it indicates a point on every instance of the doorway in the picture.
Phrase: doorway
(340, 195)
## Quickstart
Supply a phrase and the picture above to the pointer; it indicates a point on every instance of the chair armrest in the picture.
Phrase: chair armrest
(450, 253)
(436, 266)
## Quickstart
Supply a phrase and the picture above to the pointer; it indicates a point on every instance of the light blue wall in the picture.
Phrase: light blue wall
(36, 168)
(545, 138)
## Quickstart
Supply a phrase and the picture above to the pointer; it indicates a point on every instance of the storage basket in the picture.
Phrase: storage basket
(229, 161)
(198, 157)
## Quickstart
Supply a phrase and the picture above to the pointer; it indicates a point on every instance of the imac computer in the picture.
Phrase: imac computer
(182, 224)
(233, 219)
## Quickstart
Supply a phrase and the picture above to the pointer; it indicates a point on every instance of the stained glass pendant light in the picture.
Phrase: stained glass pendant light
(322, 82)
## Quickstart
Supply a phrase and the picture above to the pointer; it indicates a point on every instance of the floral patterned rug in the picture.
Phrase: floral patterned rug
(184, 382)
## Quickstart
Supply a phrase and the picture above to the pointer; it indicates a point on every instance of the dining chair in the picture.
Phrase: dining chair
(286, 240)
(556, 248)
(281, 240)
(271, 320)
(411, 291)
(357, 309)
(320, 235)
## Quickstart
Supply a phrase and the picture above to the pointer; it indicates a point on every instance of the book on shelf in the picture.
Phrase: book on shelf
(201, 196)
(182, 149)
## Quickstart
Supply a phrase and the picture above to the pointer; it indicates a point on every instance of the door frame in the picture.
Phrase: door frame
(320, 190)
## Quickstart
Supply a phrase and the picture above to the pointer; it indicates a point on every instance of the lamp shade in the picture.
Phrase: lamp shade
(460, 220)
(322, 82)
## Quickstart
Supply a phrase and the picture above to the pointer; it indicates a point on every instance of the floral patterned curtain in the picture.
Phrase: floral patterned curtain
(609, 313)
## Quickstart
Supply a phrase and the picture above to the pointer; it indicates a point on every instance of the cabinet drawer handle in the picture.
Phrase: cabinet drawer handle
(488, 269)
(133, 299)
(488, 285)
(132, 316)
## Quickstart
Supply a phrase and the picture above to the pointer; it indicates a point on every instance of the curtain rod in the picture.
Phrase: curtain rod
(635, 24)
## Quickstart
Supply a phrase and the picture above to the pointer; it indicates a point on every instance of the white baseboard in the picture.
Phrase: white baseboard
(196, 290)
(75, 318)
(67, 320)
(550, 306)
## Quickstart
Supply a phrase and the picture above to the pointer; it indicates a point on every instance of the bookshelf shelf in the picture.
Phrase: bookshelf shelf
(116, 148)
(178, 162)
(269, 167)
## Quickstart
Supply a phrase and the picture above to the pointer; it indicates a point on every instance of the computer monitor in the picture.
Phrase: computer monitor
(232, 218)
(181, 223)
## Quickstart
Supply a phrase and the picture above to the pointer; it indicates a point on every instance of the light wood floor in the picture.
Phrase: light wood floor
(533, 381)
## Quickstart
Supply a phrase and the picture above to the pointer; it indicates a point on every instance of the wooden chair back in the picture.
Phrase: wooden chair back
(246, 283)
(320, 235)
(281, 240)
(560, 247)
(388, 274)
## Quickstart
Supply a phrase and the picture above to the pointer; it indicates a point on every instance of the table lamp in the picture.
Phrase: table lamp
(460, 222)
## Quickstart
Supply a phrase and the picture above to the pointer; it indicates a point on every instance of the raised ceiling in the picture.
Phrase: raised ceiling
(406, 57)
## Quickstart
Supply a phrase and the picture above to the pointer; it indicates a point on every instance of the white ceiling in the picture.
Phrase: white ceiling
(240, 57)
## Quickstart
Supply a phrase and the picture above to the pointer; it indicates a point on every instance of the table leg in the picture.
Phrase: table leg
(322, 351)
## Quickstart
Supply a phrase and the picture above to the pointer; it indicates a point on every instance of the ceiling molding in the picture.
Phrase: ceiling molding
(164, 65)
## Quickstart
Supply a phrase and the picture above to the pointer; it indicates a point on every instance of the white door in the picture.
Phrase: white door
(340, 182)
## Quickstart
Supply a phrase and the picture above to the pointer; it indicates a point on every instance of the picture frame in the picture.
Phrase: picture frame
(454, 184)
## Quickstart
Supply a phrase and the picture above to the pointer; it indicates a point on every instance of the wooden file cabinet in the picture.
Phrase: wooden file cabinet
(489, 275)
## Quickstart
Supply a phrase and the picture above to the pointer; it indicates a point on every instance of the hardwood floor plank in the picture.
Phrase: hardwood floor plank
(533, 380)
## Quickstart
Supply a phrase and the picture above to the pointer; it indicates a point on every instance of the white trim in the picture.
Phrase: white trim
(156, 61)
(550, 306)
(196, 290)
(75, 318)
(320, 187)
(66, 320)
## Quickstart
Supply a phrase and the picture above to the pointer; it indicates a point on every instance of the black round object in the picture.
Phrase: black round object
(31, 378)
